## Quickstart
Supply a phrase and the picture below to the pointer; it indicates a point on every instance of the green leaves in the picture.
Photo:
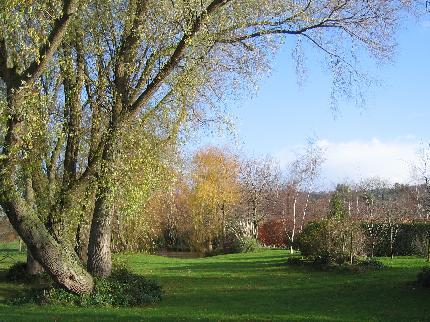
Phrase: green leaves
(25, 27)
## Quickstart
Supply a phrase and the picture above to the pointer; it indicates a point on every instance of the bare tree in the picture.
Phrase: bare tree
(421, 176)
(303, 173)
(260, 180)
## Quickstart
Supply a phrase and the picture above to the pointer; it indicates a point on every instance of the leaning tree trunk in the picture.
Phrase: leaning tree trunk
(60, 263)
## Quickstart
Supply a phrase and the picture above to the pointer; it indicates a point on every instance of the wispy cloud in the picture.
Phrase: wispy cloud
(356, 160)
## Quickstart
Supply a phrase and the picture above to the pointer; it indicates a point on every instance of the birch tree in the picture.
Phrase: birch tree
(303, 173)
(260, 181)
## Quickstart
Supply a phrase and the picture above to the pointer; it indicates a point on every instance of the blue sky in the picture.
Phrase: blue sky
(377, 140)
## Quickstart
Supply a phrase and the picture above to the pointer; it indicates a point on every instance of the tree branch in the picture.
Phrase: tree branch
(7, 74)
(127, 51)
(47, 50)
(3, 59)
(175, 57)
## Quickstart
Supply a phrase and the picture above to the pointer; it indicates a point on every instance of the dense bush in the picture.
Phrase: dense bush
(248, 244)
(423, 277)
(372, 239)
(272, 233)
(371, 263)
(313, 239)
(331, 241)
(233, 244)
(322, 260)
(295, 261)
(17, 272)
(327, 262)
(121, 289)
(173, 239)
(421, 245)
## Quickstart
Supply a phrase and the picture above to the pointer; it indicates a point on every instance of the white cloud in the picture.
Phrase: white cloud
(356, 160)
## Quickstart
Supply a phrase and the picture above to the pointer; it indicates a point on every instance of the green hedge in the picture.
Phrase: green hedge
(409, 238)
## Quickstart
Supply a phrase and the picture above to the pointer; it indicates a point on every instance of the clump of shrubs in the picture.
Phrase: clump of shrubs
(295, 261)
(18, 273)
(233, 244)
(312, 241)
(322, 260)
(123, 288)
(335, 243)
(371, 263)
(248, 245)
(423, 278)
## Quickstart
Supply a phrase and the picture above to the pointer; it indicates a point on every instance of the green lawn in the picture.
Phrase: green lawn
(252, 287)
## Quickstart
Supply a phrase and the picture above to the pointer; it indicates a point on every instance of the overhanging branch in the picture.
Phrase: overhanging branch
(47, 50)
(175, 57)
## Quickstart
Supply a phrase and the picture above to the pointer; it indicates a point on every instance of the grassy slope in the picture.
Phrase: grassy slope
(253, 287)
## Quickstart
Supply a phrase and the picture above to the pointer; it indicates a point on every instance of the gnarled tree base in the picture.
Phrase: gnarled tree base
(60, 263)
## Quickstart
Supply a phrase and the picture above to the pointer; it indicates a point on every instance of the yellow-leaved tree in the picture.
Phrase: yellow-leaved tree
(214, 192)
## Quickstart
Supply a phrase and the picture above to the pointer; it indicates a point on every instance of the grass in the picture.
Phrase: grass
(251, 287)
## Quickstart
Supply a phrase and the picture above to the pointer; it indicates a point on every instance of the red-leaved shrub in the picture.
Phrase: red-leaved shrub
(272, 233)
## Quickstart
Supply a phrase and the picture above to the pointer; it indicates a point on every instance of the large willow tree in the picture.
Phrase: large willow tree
(80, 80)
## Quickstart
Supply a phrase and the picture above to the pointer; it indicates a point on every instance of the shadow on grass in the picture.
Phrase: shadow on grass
(232, 267)
(232, 264)
(255, 288)
(320, 297)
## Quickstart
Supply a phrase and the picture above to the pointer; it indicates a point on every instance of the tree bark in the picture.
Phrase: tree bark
(33, 266)
(62, 265)
(351, 250)
(294, 224)
(223, 227)
(73, 82)
(391, 242)
(99, 248)
(305, 209)
(428, 246)
(81, 247)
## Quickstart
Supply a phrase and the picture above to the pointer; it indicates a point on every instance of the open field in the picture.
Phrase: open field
(253, 287)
